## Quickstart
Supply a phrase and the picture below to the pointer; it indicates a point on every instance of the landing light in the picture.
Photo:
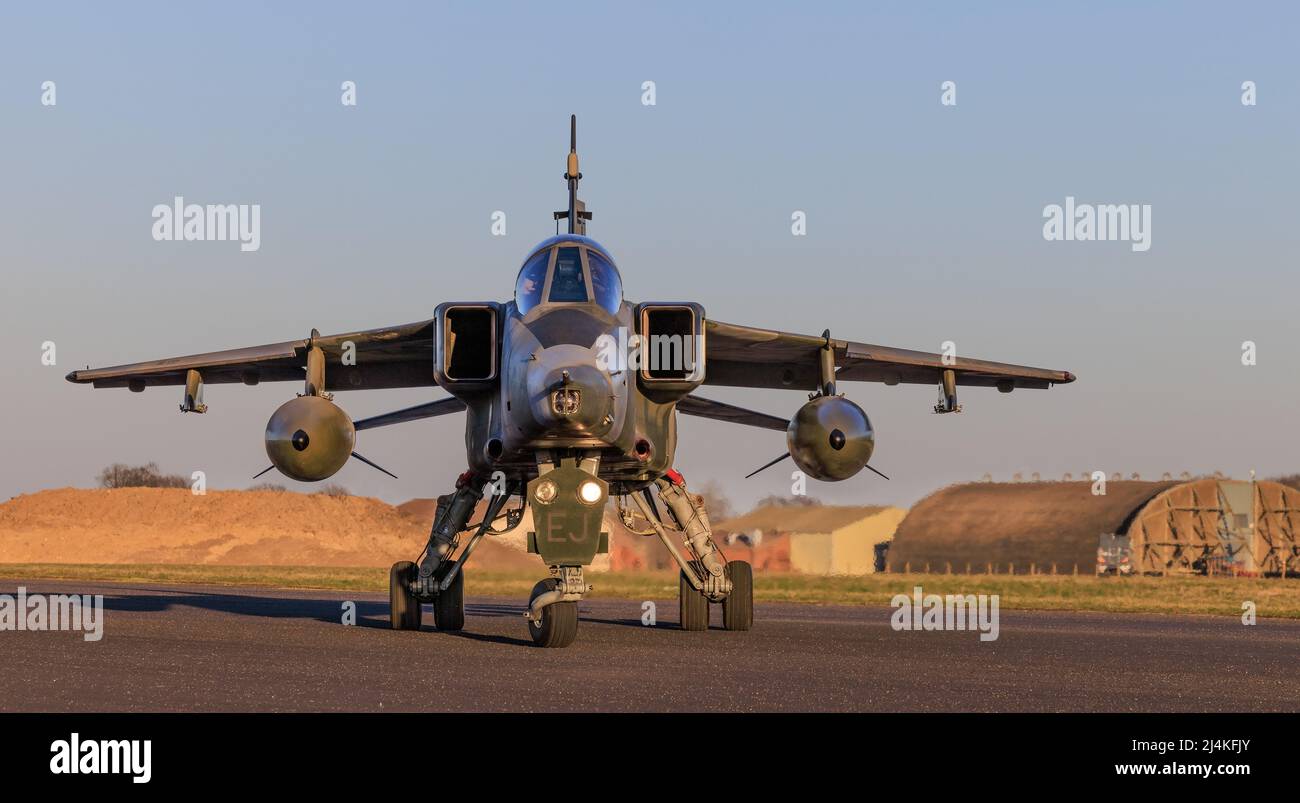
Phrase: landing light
(590, 492)
(546, 491)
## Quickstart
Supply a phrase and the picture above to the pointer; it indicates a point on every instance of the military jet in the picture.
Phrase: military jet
(570, 394)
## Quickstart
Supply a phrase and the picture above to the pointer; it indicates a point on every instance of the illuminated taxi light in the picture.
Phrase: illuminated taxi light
(590, 492)
(546, 491)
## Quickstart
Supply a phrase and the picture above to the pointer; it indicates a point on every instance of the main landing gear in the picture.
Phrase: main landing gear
(437, 578)
(708, 577)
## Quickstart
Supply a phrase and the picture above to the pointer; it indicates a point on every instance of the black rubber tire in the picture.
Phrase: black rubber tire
(449, 605)
(692, 606)
(404, 610)
(738, 607)
(559, 625)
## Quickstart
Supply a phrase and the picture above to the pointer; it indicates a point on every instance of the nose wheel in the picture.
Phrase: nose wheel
(557, 624)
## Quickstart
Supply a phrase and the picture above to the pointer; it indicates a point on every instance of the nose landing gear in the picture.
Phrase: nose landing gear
(553, 608)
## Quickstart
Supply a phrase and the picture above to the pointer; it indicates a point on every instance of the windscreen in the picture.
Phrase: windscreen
(606, 285)
(532, 278)
(567, 285)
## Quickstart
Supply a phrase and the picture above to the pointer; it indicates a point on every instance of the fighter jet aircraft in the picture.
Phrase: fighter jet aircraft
(570, 394)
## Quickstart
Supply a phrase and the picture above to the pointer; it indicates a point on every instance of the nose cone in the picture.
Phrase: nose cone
(571, 395)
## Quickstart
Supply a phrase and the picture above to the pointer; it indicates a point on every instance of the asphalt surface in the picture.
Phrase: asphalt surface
(201, 648)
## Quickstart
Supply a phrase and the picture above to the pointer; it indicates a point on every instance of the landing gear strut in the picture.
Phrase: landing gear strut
(454, 510)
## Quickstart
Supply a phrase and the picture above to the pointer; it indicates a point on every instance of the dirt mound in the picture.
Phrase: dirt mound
(163, 525)
(421, 509)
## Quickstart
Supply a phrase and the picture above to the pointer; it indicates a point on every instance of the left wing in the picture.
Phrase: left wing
(746, 356)
(391, 357)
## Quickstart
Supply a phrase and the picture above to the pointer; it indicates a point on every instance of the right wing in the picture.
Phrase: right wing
(391, 357)
(748, 356)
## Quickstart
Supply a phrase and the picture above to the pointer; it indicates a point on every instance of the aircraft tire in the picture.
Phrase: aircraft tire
(404, 609)
(738, 607)
(692, 606)
(559, 625)
(449, 605)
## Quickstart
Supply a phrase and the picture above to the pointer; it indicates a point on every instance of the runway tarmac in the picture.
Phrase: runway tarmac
(205, 648)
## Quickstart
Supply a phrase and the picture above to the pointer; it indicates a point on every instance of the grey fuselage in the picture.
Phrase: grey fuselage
(614, 409)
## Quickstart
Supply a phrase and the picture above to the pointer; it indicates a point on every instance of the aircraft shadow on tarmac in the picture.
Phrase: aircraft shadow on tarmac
(370, 614)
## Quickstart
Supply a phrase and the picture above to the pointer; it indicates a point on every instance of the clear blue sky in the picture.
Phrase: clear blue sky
(924, 221)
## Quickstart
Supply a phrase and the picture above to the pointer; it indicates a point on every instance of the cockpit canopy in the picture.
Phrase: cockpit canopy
(569, 269)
